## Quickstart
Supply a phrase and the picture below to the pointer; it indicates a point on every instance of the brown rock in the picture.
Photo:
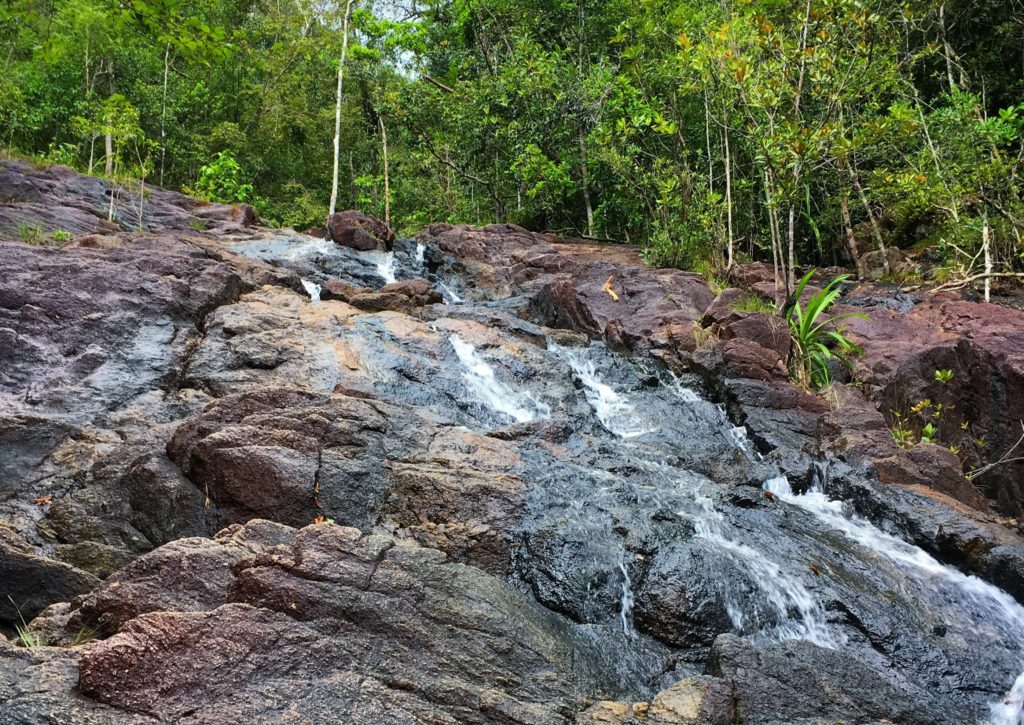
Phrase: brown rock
(932, 466)
(721, 309)
(768, 331)
(360, 231)
(357, 626)
(983, 344)
(335, 289)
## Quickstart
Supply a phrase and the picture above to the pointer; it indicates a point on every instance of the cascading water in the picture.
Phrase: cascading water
(386, 267)
(625, 491)
(312, 289)
(421, 250)
(614, 411)
(627, 601)
(782, 592)
(484, 386)
(450, 298)
(990, 608)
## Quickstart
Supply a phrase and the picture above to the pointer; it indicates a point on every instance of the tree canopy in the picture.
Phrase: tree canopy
(794, 131)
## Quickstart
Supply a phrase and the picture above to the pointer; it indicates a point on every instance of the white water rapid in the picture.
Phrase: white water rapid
(987, 605)
(386, 266)
(613, 409)
(485, 387)
(312, 289)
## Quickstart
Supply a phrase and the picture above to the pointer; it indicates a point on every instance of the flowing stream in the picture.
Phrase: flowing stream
(653, 518)
(991, 610)
(484, 386)
(386, 266)
(312, 289)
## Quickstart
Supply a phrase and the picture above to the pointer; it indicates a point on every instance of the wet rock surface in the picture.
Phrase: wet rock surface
(485, 476)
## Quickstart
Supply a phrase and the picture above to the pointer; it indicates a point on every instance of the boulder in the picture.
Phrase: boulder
(982, 344)
(358, 627)
(187, 575)
(31, 583)
(796, 681)
(359, 231)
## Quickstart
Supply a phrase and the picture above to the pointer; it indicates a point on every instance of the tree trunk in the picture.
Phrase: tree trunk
(337, 106)
(778, 261)
(728, 202)
(163, 115)
(851, 239)
(947, 49)
(108, 148)
(791, 239)
(387, 183)
(585, 170)
(876, 230)
(986, 246)
(707, 138)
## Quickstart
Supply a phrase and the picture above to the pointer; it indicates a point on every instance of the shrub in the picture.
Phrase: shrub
(222, 180)
(813, 330)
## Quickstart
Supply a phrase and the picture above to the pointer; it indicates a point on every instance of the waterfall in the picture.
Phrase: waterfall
(450, 298)
(312, 289)
(969, 594)
(738, 436)
(310, 247)
(386, 267)
(421, 249)
(626, 602)
(782, 591)
(613, 409)
(484, 386)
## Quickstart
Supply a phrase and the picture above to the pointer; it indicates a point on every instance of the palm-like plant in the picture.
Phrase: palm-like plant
(813, 332)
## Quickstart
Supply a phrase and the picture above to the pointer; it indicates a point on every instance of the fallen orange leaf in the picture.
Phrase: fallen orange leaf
(43, 500)
(608, 288)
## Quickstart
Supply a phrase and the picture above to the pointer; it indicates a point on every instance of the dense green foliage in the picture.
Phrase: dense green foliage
(784, 130)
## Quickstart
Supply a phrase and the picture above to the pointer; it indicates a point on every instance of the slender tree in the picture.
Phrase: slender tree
(349, 4)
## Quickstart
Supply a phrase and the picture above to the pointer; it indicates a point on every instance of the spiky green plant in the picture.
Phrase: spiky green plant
(818, 336)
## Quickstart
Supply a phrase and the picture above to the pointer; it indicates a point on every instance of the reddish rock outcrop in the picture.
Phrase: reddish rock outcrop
(359, 231)
(606, 292)
(983, 345)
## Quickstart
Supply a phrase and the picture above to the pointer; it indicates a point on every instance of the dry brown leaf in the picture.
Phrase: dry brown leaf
(608, 288)
(43, 500)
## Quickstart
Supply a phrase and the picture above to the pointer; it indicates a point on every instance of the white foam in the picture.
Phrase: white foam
(312, 289)
(613, 409)
(486, 388)
(993, 609)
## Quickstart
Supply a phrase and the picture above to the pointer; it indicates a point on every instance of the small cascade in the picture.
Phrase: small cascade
(614, 410)
(783, 592)
(312, 289)
(450, 298)
(386, 267)
(485, 387)
(738, 436)
(626, 602)
(310, 247)
(991, 608)
(421, 250)
(687, 395)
